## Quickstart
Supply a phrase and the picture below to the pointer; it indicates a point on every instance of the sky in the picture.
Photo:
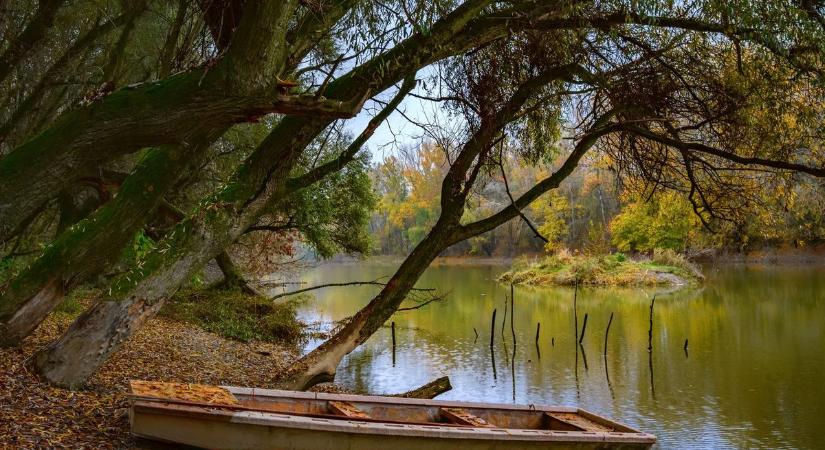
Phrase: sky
(396, 131)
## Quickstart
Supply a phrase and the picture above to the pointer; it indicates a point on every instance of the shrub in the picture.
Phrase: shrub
(237, 315)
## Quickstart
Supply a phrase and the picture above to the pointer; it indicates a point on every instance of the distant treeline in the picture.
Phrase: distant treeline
(594, 211)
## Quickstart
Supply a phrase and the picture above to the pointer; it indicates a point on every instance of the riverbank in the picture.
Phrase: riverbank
(565, 269)
(36, 415)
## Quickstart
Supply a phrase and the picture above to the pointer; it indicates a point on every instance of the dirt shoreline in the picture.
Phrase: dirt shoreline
(36, 415)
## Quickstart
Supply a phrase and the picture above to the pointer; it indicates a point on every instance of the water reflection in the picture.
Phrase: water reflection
(752, 379)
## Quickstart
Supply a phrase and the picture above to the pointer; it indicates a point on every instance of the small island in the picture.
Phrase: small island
(662, 268)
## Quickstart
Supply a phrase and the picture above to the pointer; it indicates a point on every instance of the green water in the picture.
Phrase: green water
(753, 376)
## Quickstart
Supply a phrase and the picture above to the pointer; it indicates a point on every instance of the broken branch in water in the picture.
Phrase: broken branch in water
(429, 390)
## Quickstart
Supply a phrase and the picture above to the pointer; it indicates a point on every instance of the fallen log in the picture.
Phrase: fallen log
(429, 390)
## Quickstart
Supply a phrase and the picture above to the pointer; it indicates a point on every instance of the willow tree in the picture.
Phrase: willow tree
(607, 53)
(260, 182)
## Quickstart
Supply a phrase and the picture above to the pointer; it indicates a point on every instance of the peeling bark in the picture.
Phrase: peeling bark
(19, 325)
(83, 345)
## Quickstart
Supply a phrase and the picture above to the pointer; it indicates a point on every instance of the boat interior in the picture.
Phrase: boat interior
(432, 414)
(375, 409)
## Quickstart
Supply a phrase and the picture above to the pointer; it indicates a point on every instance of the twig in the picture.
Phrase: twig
(422, 304)
(513, 202)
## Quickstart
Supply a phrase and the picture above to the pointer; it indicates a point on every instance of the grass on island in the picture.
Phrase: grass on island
(236, 315)
(664, 267)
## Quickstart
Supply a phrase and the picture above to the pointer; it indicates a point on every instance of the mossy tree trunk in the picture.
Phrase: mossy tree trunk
(259, 184)
(174, 111)
(88, 247)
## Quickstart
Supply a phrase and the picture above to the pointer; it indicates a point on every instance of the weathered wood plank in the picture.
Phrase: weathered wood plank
(462, 417)
(573, 422)
(347, 409)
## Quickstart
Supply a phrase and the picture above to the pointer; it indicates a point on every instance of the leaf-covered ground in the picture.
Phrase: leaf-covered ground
(35, 415)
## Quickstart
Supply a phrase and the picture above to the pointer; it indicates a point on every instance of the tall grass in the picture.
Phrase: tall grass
(564, 268)
(237, 315)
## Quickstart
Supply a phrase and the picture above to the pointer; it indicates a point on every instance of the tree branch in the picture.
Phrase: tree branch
(513, 203)
(349, 154)
(730, 156)
(599, 129)
(351, 283)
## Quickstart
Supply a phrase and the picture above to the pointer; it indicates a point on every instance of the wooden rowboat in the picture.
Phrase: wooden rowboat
(246, 418)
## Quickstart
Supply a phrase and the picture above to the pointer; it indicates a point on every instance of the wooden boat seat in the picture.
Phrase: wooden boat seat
(572, 422)
(462, 417)
(347, 409)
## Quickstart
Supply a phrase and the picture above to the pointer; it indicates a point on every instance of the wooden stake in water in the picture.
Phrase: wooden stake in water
(606, 332)
(512, 315)
(476, 332)
(686, 348)
(584, 328)
(538, 330)
(575, 312)
(504, 322)
(650, 329)
(493, 329)
(392, 328)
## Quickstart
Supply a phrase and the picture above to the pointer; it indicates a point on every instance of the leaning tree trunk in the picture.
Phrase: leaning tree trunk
(181, 108)
(320, 365)
(93, 337)
(116, 223)
(138, 294)
(232, 276)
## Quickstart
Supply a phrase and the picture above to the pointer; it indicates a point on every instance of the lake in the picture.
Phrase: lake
(752, 375)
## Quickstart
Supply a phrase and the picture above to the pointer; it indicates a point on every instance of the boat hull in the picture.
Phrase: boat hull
(225, 427)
